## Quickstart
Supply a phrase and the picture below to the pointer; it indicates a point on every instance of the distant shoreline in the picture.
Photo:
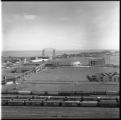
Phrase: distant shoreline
(63, 50)
(39, 52)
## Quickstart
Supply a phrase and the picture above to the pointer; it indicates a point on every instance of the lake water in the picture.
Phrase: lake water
(31, 53)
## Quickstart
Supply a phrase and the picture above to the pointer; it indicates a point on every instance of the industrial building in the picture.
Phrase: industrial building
(96, 61)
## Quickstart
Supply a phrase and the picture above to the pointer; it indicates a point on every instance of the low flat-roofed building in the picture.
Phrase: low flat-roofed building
(76, 63)
(96, 61)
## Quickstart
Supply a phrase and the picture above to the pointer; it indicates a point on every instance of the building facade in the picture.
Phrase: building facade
(96, 62)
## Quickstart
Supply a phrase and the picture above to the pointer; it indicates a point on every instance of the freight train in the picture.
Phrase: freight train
(84, 99)
(77, 102)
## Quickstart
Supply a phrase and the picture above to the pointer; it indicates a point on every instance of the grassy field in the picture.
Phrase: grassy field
(66, 79)
(69, 73)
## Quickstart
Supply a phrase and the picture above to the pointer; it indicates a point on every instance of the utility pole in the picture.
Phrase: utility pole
(53, 53)
(109, 59)
(43, 53)
(108, 56)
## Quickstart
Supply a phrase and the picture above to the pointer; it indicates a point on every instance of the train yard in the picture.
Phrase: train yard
(29, 104)
(76, 99)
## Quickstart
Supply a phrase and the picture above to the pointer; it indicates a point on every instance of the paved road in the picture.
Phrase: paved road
(29, 112)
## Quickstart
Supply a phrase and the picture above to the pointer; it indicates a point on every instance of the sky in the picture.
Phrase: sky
(60, 25)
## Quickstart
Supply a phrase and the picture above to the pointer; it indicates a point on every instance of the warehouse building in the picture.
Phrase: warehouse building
(96, 61)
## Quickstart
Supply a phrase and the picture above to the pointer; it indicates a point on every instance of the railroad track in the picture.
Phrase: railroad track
(42, 104)
(61, 93)
(62, 99)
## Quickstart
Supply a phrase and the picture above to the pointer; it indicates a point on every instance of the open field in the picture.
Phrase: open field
(66, 79)
(69, 73)
(21, 112)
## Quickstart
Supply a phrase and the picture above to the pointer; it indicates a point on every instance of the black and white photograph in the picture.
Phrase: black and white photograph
(60, 59)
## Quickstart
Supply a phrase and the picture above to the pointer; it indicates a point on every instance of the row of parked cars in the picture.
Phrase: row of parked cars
(104, 77)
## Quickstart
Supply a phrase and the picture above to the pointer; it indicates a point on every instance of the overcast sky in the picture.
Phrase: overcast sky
(60, 25)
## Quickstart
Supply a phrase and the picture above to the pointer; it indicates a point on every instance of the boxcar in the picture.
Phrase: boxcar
(33, 103)
(16, 102)
(9, 96)
(88, 104)
(108, 103)
(71, 103)
(52, 103)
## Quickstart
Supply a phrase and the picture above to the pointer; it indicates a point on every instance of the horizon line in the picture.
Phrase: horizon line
(59, 49)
